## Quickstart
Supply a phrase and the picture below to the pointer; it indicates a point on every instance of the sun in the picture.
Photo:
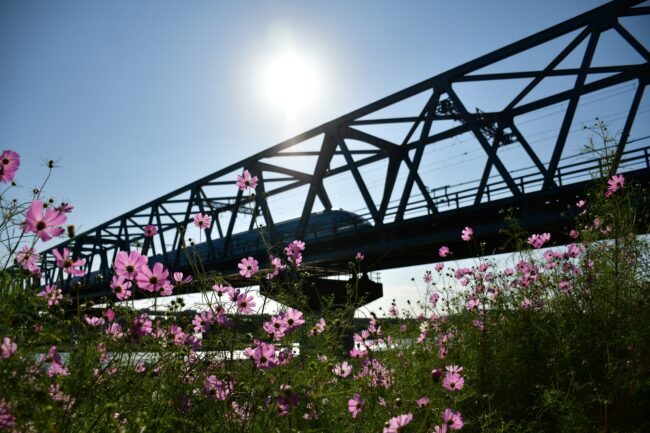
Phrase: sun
(290, 82)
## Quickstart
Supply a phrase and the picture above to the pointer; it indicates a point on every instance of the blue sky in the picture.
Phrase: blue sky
(135, 99)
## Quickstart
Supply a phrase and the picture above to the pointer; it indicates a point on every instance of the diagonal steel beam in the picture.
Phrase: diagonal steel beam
(469, 120)
(571, 109)
(556, 61)
(625, 134)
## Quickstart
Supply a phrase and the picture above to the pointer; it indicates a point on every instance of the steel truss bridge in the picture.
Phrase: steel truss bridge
(408, 220)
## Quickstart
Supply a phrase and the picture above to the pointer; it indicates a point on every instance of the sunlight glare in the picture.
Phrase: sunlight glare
(290, 82)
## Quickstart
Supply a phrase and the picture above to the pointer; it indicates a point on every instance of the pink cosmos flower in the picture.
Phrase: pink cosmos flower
(537, 241)
(202, 321)
(180, 279)
(220, 289)
(423, 401)
(358, 352)
(27, 258)
(355, 404)
(454, 369)
(294, 252)
(452, 419)
(177, 335)
(581, 203)
(128, 265)
(8, 347)
(52, 294)
(93, 321)
(142, 325)
(443, 251)
(55, 367)
(360, 256)
(453, 382)
(43, 225)
(121, 287)
(9, 163)
(202, 221)
(427, 277)
(615, 183)
(263, 355)
(246, 181)
(64, 207)
(65, 262)
(216, 389)
(467, 234)
(7, 418)
(245, 303)
(248, 267)
(440, 266)
(276, 267)
(153, 281)
(276, 327)
(293, 318)
(565, 286)
(150, 231)
(395, 424)
(318, 328)
(114, 331)
(342, 369)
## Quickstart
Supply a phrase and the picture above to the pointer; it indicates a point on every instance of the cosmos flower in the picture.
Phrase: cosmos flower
(202, 221)
(355, 404)
(153, 280)
(615, 183)
(65, 262)
(467, 234)
(121, 287)
(248, 267)
(452, 419)
(128, 265)
(246, 181)
(245, 303)
(9, 163)
(150, 231)
(7, 347)
(453, 382)
(395, 424)
(44, 225)
(52, 294)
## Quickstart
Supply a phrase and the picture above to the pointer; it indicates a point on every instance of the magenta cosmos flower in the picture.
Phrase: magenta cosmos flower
(120, 287)
(263, 355)
(52, 294)
(248, 267)
(246, 181)
(453, 382)
(615, 183)
(245, 303)
(452, 419)
(394, 425)
(27, 259)
(153, 280)
(467, 234)
(355, 404)
(443, 251)
(65, 262)
(44, 225)
(9, 163)
(202, 221)
(128, 265)
(150, 231)
(8, 347)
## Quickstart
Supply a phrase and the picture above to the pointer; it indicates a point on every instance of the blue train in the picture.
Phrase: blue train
(322, 224)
